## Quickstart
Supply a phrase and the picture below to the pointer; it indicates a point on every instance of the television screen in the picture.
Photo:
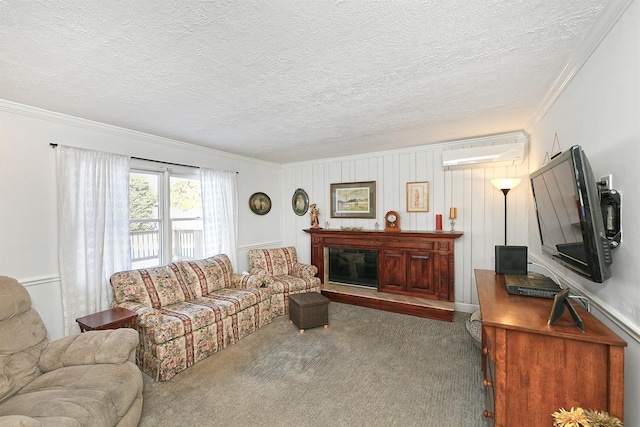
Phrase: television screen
(567, 204)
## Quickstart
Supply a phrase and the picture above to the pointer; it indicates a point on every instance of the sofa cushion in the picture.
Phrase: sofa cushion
(235, 300)
(179, 319)
(155, 287)
(91, 395)
(186, 317)
(294, 285)
(276, 262)
(207, 275)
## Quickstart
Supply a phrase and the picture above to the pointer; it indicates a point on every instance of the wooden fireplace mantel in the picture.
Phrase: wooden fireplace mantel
(412, 263)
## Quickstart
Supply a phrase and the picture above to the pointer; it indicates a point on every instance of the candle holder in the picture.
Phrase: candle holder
(453, 214)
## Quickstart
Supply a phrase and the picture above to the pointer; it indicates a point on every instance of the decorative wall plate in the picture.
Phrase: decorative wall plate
(260, 203)
(300, 202)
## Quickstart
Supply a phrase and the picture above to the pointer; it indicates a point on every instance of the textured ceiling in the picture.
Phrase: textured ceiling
(288, 81)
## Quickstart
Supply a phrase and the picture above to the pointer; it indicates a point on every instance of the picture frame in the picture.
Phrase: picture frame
(418, 196)
(560, 302)
(259, 203)
(300, 202)
(353, 200)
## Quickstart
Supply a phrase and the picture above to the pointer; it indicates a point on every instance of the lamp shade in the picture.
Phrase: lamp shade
(505, 183)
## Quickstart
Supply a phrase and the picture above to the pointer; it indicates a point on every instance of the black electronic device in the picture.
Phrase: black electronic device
(511, 259)
(531, 285)
(569, 213)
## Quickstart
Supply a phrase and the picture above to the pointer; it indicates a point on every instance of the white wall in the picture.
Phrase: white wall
(28, 204)
(480, 205)
(600, 110)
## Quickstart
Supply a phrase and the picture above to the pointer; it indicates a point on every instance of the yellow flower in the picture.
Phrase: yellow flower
(574, 418)
(602, 419)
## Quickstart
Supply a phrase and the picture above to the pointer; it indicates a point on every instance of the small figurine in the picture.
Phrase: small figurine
(314, 216)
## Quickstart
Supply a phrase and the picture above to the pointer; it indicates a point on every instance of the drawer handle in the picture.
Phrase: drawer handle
(420, 256)
(392, 255)
(485, 351)
(487, 414)
(487, 383)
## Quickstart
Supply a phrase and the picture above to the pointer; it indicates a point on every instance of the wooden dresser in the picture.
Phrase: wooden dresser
(531, 369)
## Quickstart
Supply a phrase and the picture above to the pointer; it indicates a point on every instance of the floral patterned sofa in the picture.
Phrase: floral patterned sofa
(288, 276)
(188, 310)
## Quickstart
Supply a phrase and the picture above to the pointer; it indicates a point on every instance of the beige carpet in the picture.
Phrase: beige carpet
(369, 368)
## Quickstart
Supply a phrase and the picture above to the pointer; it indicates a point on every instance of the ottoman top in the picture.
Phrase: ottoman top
(308, 299)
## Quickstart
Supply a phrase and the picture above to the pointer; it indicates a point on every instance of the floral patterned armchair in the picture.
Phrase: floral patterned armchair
(288, 276)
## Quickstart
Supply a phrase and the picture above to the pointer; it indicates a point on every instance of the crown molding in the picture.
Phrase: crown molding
(612, 12)
(64, 119)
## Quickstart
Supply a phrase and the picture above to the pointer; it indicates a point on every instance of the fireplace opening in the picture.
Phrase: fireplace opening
(354, 266)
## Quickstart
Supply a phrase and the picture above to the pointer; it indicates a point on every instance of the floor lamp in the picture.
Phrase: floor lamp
(505, 184)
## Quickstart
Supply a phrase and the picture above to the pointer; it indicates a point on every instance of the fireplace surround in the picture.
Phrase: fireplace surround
(411, 263)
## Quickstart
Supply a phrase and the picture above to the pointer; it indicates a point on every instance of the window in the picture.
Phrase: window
(165, 216)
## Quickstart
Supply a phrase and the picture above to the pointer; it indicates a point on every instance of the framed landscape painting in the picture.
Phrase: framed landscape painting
(353, 200)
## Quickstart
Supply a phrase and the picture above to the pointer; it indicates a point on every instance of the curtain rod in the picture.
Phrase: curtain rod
(151, 160)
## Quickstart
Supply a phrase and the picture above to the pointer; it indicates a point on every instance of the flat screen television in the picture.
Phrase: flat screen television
(570, 220)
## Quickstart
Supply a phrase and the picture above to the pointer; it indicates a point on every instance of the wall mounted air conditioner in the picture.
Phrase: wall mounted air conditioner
(486, 156)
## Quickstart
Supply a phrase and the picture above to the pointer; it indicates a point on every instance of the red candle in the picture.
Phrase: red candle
(439, 222)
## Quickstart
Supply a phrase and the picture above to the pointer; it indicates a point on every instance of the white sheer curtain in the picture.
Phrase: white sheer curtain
(220, 211)
(93, 228)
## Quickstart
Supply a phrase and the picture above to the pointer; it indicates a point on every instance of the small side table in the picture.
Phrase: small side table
(113, 318)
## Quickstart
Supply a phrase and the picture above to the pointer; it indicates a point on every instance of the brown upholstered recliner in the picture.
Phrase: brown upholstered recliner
(88, 379)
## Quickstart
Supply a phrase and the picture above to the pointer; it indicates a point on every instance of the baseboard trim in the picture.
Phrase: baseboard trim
(466, 308)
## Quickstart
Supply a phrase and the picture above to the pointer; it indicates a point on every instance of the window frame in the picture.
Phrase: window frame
(164, 220)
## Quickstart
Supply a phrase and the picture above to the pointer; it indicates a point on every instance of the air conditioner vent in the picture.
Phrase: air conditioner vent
(486, 156)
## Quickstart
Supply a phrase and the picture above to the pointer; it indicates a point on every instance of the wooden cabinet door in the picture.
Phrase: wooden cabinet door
(421, 276)
(392, 270)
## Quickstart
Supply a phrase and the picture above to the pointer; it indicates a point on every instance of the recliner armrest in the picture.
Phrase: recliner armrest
(90, 348)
